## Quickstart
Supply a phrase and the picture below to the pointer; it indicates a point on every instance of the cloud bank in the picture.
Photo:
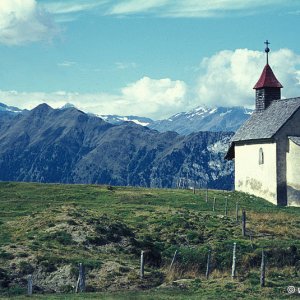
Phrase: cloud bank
(23, 21)
(69, 10)
(189, 8)
(146, 97)
(225, 79)
(228, 77)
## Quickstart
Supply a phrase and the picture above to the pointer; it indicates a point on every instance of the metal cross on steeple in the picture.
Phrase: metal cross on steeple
(267, 50)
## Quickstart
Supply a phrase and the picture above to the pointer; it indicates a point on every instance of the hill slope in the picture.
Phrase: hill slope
(46, 230)
(69, 146)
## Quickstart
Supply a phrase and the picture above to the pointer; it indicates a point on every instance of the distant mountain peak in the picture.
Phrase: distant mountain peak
(68, 105)
(9, 109)
(42, 108)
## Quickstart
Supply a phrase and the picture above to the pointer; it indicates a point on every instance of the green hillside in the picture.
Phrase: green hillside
(47, 230)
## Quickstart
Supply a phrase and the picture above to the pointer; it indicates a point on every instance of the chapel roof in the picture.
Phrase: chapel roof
(266, 123)
(267, 79)
(295, 139)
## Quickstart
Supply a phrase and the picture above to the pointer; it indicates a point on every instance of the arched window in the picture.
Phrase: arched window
(261, 156)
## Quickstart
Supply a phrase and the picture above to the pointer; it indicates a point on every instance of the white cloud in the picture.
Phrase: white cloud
(22, 21)
(67, 64)
(190, 8)
(126, 65)
(229, 76)
(69, 10)
(75, 6)
(226, 79)
(155, 98)
(134, 6)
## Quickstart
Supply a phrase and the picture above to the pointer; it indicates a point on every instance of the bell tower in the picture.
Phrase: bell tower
(268, 88)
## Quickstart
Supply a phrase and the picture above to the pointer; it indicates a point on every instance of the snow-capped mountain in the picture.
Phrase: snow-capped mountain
(115, 119)
(199, 119)
(68, 105)
(9, 109)
(204, 119)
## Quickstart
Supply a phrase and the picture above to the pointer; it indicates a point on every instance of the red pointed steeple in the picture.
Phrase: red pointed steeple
(267, 79)
(267, 87)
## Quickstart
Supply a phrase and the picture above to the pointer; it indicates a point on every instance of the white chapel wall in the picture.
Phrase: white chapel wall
(252, 177)
(293, 174)
(291, 128)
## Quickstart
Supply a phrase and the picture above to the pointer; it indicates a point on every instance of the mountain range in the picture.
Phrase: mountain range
(70, 146)
(201, 118)
(204, 119)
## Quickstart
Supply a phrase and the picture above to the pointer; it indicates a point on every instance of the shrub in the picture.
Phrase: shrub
(191, 258)
(72, 222)
(5, 255)
(61, 237)
(96, 240)
(4, 279)
(23, 254)
(25, 268)
(49, 265)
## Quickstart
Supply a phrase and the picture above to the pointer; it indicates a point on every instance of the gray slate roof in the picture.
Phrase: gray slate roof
(265, 124)
(295, 139)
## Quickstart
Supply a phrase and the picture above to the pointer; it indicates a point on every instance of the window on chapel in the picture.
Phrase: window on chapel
(261, 156)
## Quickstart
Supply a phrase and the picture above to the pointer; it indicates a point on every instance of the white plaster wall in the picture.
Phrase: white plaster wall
(293, 174)
(253, 178)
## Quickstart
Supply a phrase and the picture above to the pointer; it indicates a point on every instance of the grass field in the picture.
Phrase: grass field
(47, 229)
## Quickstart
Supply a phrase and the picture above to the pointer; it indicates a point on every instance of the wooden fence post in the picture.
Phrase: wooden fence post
(142, 269)
(173, 260)
(208, 264)
(29, 288)
(226, 206)
(214, 204)
(233, 271)
(206, 195)
(81, 279)
(237, 211)
(244, 223)
(262, 269)
(194, 188)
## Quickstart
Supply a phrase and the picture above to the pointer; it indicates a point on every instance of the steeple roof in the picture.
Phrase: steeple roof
(267, 79)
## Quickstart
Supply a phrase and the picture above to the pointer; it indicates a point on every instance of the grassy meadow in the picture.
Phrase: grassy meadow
(48, 229)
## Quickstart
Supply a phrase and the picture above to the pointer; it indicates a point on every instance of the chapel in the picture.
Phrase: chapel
(266, 148)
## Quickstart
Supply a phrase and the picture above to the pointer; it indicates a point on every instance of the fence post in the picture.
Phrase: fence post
(173, 260)
(226, 206)
(233, 271)
(142, 265)
(81, 279)
(244, 223)
(262, 269)
(237, 211)
(206, 195)
(208, 265)
(214, 204)
(29, 288)
(194, 188)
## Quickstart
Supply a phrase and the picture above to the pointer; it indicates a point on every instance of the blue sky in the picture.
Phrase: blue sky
(151, 58)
